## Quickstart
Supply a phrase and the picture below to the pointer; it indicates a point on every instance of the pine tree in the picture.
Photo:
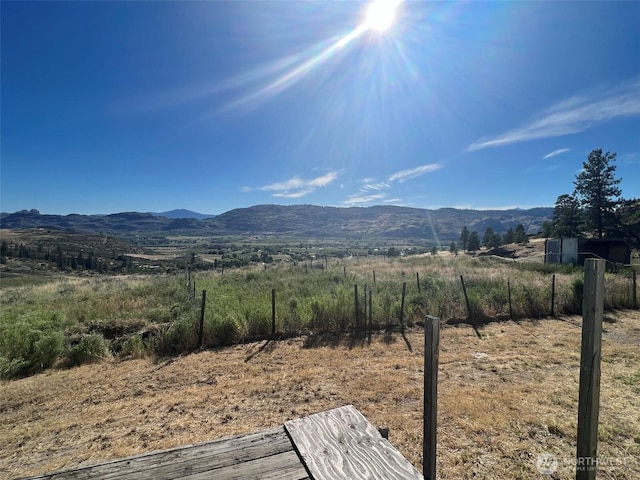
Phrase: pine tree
(567, 217)
(473, 242)
(464, 238)
(598, 192)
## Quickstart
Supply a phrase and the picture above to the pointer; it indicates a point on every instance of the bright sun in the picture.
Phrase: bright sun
(381, 14)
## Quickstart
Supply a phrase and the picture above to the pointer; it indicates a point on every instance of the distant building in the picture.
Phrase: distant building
(577, 250)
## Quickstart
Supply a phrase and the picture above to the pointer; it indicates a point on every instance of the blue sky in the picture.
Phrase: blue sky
(210, 106)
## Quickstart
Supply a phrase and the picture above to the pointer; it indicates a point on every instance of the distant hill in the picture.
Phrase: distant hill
(302, 221)
(182, 213)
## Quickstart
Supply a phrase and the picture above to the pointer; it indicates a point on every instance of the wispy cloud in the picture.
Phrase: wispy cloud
(297, 187)
(374, 191)
(355, 199)
(370, 186)
(560, 151)
(405, 175)
(573, 115)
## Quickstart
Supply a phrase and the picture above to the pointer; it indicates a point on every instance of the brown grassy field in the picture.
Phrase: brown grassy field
(508, 392)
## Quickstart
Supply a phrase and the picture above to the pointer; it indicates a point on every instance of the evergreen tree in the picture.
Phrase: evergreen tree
(473, 243)
(509, 236)
(598, 192)
(464, 238)
(547, 229)
(520, 235)
(488, 237)
(453, 248)
(567, 217)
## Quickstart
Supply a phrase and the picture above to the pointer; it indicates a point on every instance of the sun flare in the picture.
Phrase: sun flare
(381, 15)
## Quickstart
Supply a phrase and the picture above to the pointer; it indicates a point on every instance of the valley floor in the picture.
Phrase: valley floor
(508, 393)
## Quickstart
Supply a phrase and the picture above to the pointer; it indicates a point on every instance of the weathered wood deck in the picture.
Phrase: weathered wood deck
(333, 445)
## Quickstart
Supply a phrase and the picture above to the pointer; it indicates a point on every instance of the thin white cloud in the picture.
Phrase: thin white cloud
(297, 187)
(405, 175)
(573, 115)
(374, 186)
(298, 194)
(355, 199)
(560, 151)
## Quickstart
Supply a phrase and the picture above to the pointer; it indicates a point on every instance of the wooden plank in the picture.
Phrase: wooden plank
(188, 460)
(342, 444)
(283, 466)
(589, 394)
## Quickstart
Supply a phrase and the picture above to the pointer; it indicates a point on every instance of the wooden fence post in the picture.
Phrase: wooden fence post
(553, 294)
(431, 347)
(635, 290)
(365, 304)
(589, 395)
(374, 277)
(201, 333)
(273, 310)
(370, 312)
(418, 281)
(357, 316)
(509, 296)
(404, 289)
(466, 298)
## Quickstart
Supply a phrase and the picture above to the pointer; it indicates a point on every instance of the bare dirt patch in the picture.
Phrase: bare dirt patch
(507, 393)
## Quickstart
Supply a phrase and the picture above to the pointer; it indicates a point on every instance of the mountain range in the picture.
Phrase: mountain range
(300, 221)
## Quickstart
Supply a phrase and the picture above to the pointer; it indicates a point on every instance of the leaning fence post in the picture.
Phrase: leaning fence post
(466, 298)
(201, 333)
(431, 347)
(589, 395)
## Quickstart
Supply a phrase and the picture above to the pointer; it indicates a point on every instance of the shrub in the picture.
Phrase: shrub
(47, 349)
(91, 349)
(133, 347)
(12, 368)
(225, 331)
(257, 323)
(180, 338)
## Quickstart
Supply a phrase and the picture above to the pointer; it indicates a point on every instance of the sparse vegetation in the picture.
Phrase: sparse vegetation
(76, 320)
(507, 393)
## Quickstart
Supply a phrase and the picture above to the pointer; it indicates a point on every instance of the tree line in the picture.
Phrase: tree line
(596, 207)
(470, 239)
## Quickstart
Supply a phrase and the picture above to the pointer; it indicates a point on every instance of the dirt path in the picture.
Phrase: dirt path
(507, 394)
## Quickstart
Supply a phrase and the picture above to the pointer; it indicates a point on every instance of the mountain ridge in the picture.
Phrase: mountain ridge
(381, 221)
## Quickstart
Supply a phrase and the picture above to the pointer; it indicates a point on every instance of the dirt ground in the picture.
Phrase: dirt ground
(508, 393)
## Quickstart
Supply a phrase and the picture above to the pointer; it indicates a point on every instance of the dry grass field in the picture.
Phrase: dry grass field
(508, 392)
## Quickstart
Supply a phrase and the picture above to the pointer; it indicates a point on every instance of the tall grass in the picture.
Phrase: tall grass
(79, 320)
